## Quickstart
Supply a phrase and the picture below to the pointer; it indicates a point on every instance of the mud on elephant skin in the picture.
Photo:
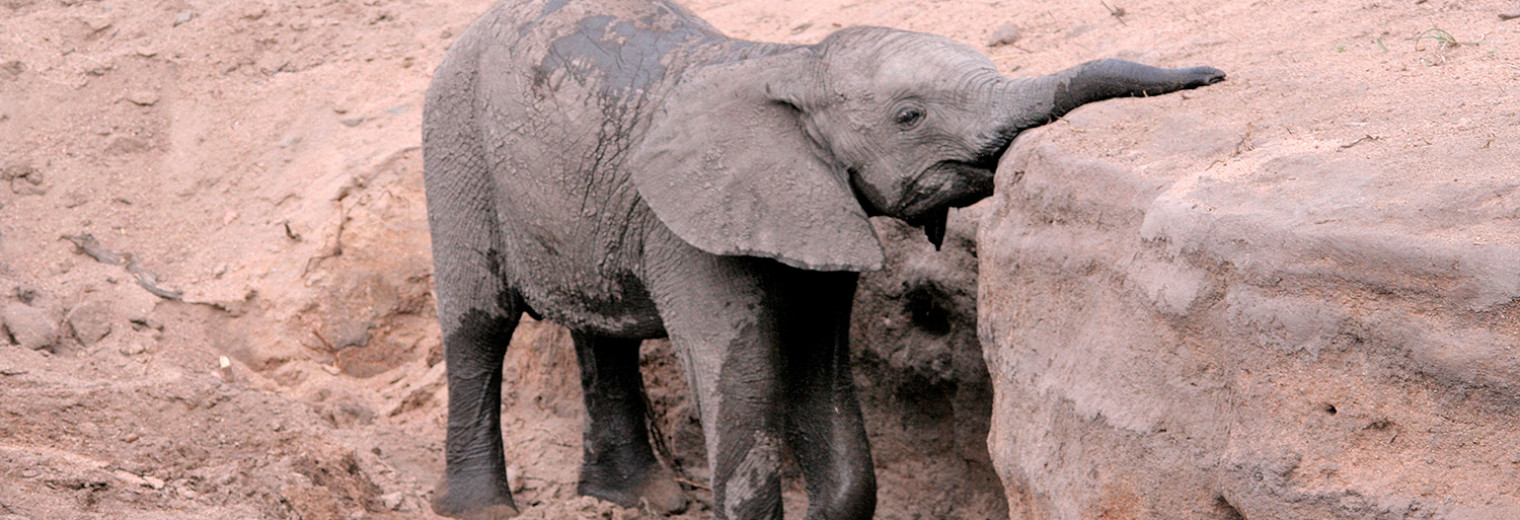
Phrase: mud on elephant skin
(622, 168)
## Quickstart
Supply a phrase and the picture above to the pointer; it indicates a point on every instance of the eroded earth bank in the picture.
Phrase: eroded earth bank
(1289, 295)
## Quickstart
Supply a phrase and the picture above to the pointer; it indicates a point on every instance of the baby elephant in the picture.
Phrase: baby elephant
(622, 168)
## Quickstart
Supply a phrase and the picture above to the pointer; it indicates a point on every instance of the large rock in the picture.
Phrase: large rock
(1210, 325)
(31, 327)
(90, 321)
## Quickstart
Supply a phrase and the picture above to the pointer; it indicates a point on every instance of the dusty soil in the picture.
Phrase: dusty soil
(258, 164)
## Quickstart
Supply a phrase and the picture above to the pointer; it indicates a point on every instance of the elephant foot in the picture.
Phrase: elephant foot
(655, 486)
(487, 501)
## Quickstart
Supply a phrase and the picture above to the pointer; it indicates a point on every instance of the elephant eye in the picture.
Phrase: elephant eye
(909, 116)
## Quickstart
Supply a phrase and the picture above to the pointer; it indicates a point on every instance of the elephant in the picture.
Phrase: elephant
(622, 168)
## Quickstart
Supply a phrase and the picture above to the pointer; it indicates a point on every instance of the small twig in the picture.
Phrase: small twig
(325, 343)
(657, 438)
(1444, 39)
(145, 278)
(1244, 145)
(692, 483)
(334, 249)
(1116, 12)
(1365, 138)
(90, 246)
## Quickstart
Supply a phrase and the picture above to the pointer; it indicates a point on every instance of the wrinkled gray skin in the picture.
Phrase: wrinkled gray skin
(622, 168)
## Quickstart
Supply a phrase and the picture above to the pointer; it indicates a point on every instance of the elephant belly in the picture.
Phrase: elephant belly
(620, 309)
(581, 270)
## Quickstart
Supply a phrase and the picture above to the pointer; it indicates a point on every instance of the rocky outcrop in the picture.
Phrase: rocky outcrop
(1207, 324)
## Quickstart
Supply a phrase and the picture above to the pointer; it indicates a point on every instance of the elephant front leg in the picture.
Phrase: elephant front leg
(772, 370)
(618, 464)
(749, 437)
(824, 425)
(719, 312)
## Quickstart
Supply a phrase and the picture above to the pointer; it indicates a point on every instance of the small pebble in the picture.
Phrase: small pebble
(90, 321)
(224, 369)
(391, 501)
(91, 430)
(31, 175)
(143, 98)
(126, 477)
(184, 16)
(515, 480)
(98, 24)
(1005, 34)
(28, 473)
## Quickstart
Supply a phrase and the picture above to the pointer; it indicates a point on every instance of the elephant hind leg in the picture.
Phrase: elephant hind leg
(475, 485)
(478, 313)
(619, 465)
(477, 308)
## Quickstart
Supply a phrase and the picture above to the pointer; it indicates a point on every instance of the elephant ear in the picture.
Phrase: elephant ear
(727, 164)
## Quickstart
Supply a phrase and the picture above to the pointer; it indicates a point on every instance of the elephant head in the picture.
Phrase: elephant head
(785, 155)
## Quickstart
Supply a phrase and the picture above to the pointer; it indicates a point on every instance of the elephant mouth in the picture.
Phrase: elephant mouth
(950, 184)
(954, 184)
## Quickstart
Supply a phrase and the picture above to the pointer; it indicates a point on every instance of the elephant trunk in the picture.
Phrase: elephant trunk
(1030, 102)
(1037, 101)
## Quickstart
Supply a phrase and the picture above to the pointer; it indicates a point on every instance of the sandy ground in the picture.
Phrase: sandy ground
(258, 163)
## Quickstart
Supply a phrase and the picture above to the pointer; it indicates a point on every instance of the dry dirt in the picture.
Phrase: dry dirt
(258, 163)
